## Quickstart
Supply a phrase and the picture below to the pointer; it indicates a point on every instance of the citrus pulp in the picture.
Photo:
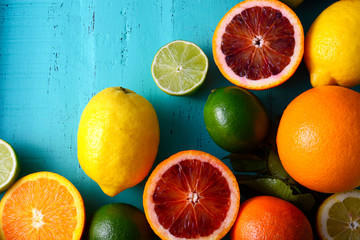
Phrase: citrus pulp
(258, 44)
(42, 205)
(191, 195)
(179, 68)
(9, 166)
(338, 216)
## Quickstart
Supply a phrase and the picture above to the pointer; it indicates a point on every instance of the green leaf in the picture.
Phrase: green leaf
(276, 168)
(246, 162)
(278, 188)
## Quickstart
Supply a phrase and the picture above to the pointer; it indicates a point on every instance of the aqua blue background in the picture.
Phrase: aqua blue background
(55, 55)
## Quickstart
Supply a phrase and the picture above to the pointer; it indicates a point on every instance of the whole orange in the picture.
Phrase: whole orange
(318, 139)
(266, 217)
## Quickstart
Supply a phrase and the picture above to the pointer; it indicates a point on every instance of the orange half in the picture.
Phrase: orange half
(42, 205)
(191, 195)
(258, 44)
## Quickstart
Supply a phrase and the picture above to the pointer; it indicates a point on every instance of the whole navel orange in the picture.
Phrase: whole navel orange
(318, 139)
(266, 217)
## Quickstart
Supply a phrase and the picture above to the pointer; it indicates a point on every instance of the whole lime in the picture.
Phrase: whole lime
(119, 221)
(292, 3)
(235, 119)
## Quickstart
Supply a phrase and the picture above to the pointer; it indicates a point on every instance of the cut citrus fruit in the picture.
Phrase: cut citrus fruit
(258, 44)
(42, 205)
(191, 195)
(338, 217)
(179, 68)
(9, 166)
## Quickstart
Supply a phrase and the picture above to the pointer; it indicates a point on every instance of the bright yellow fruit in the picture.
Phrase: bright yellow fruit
(118, 139)
(332, 46)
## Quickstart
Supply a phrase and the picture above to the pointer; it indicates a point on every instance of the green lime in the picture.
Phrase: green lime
(119, 221)
(9, 166)
(235, 119)
(338, 217)
(292, 3)
(179, 68)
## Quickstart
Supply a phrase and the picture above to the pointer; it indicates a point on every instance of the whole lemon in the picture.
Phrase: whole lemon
(332, 46)
(118, 139)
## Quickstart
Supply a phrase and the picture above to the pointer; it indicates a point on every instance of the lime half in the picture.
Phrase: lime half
(338, 216)
(179, 68)
(9, 166)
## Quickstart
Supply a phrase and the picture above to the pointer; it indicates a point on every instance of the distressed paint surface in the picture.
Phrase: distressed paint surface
(56, 54)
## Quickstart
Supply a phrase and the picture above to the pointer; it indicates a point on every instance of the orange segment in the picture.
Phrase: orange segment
(191, 195)
(42, 205)
(258, 44)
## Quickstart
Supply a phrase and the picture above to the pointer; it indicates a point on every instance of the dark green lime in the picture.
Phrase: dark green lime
(119, 221)
(235, 119)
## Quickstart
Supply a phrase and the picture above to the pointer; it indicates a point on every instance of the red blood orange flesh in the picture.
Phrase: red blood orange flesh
(258, 44)
(191, 195)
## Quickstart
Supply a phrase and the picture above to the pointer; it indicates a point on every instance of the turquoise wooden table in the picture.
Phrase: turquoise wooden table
(56, 54)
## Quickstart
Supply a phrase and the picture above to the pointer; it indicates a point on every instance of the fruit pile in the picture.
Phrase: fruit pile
(298, 172)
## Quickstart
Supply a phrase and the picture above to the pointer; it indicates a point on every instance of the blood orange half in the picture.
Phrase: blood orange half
(191, 195)
(258, 44)
(42, 205)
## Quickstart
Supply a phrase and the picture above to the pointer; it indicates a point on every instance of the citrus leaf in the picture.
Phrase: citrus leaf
(276, 168)
(246, 162)
(278, 188)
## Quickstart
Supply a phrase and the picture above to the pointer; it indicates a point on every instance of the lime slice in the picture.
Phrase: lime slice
(9, 166)
(179, 68)
(338, 216)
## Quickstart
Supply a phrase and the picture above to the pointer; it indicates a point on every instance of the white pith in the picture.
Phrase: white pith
(37, 218)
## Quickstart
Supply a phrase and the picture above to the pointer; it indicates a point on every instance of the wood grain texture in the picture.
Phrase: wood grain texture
(55, 55)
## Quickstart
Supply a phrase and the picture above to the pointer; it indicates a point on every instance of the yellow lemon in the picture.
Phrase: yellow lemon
(332, 46)
(118, 139)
